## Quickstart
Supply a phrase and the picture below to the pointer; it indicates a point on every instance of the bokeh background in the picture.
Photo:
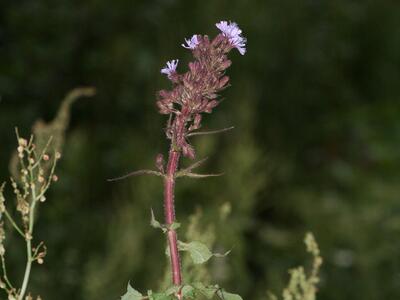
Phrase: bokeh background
(315, 103)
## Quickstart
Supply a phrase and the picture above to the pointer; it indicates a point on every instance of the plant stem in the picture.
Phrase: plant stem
(27, 270)
(28, 240)
(5, 276)
(169, 210)
(11, 220)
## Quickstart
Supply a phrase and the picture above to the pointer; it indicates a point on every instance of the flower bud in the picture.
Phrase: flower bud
(188, 151)
(222, 82)
(22, 142)
(160, 162)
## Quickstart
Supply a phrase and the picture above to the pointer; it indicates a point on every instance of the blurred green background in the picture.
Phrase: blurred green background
(315, 102)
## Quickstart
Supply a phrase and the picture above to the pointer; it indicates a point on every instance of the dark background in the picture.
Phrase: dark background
(315, 103)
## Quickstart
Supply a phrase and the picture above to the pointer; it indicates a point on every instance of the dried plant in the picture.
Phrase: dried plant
(32, 168)
(36, 173)
(303, 286)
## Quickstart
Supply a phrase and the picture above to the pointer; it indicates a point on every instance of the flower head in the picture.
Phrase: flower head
(191, 43)
(196, 92)
(170, 68)
(232, 31)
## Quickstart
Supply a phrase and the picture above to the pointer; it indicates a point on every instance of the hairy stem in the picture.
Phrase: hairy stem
(169, 187)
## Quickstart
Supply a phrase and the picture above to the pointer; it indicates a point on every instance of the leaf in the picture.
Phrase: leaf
(228, 296)
(136, 173)
(210, 132)
(189, 169)
(154, 223)
(172, 290)
(132, 294)
(210, 291)
(199, 252)
(195, 175)
(175, 226)
(207, 291)
(221, 254)
(188, 292)
(160, 296)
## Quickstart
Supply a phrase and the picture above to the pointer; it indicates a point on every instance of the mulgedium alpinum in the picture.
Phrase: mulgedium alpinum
(193, 94)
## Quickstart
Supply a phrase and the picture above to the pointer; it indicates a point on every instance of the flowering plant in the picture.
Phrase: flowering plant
(33, 172)
(193, 93)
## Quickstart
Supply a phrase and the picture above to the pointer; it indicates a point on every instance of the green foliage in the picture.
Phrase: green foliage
(199, 252)
(188, 291)
(132, 294)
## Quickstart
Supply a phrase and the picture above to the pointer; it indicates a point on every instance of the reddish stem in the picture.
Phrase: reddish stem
(169, 186)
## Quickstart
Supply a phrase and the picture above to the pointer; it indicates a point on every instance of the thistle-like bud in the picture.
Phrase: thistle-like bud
(188, 151)
(160, 162)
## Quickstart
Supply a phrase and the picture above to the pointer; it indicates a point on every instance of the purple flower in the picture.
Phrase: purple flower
(170, 68)
(232, 31)
(192, 43)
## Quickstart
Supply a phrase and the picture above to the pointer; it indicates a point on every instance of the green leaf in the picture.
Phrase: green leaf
(188, 292)
(132, 294)
(175, 226)
(172, 290)
(160, 296)
(154, 223)
(228, 296)
(210, 291)
(207, 291)
(199, 251)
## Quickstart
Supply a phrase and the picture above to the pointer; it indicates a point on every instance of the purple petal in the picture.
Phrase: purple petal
(232, 31)
(191, 43)
(170, 68)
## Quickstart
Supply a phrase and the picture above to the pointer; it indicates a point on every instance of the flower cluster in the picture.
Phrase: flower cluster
(196, 91)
